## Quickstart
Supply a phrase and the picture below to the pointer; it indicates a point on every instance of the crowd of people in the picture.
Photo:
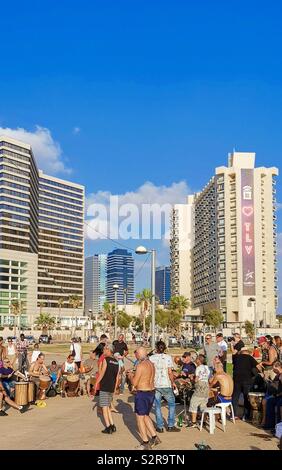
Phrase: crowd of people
(154, 378)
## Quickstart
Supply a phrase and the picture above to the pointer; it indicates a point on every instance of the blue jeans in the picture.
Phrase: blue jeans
(273, 405)
(168, 394)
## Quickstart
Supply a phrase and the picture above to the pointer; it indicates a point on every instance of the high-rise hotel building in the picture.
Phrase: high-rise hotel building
(41, 236)
(234, 251)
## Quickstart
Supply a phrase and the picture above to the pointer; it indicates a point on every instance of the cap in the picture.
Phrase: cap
(186, 354)
(262, 340)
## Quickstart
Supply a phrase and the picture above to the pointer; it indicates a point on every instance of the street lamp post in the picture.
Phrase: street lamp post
(125, 298)
(141, 250)
(90, 318)
(265, 315)
(116, 288)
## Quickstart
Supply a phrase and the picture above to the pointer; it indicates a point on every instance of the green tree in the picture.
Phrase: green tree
(108, 314)
(123, 320)
(16, 309)
(144, 299)
(249, 329)
(162, 317)
(174, 321)
(179, 303)
(213, 318)
(138, 324)
(45, 321)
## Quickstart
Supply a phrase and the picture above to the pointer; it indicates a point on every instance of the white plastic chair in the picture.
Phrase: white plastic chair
(211, 412)
(224, 407)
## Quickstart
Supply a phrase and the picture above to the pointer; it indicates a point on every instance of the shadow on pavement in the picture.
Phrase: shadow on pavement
(128, 417)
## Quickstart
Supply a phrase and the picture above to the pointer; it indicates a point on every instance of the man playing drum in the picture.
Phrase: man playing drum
(68, 368)
(222, 383)
(37, 370)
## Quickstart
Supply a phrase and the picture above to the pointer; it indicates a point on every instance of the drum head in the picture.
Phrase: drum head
(44, 378)
(73, 378)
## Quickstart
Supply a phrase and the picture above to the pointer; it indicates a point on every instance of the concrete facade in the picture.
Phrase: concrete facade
(234, 254)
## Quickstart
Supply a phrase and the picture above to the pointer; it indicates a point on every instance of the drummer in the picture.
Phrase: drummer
(222, 383)
(69, 367)
(188, 367)
(38, 369)
(7, 376)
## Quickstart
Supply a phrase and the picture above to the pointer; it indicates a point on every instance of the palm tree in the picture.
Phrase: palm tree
(179, 304)
(16, 308)
(108, 314)
(74, 301)
(144, 300)
(45, 321)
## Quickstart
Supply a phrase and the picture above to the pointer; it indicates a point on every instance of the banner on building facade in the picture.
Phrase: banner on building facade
(248, 232)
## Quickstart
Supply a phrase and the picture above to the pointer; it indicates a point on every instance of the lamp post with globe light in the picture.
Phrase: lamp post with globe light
(141, 250)
(116, 288)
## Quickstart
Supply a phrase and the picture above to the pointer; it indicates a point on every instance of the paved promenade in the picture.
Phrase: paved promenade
(71, 423)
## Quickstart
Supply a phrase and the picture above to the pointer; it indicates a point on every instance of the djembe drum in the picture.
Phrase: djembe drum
(255, 399)
(72, 385)
(44, 384)
(21, 393)
(31, 392)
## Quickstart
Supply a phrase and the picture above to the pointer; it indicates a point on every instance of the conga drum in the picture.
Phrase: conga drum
(73, 382)
(255, 399)
(31, 392)
(44, 383)
(21, 390)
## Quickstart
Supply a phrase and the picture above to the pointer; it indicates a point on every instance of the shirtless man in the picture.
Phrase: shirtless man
(224, 382)
(38, 369)
(5, 398)
(143, 383)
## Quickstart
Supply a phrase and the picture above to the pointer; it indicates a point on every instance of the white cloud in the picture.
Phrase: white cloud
(134, 205)
(76, 130)
(148, 193)
(47, 151)
(279, 206)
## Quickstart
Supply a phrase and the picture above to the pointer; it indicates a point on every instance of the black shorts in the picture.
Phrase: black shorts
(143, 402)
(78, 363)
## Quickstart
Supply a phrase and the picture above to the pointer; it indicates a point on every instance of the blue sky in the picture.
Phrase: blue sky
(137, 91)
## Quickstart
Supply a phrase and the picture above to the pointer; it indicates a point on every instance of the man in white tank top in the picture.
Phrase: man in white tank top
(69, 367)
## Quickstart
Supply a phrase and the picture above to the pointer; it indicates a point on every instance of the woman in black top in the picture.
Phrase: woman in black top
(108, 380)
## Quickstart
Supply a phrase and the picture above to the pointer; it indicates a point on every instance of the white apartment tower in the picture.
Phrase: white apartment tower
(235, 249)
(181, 246)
